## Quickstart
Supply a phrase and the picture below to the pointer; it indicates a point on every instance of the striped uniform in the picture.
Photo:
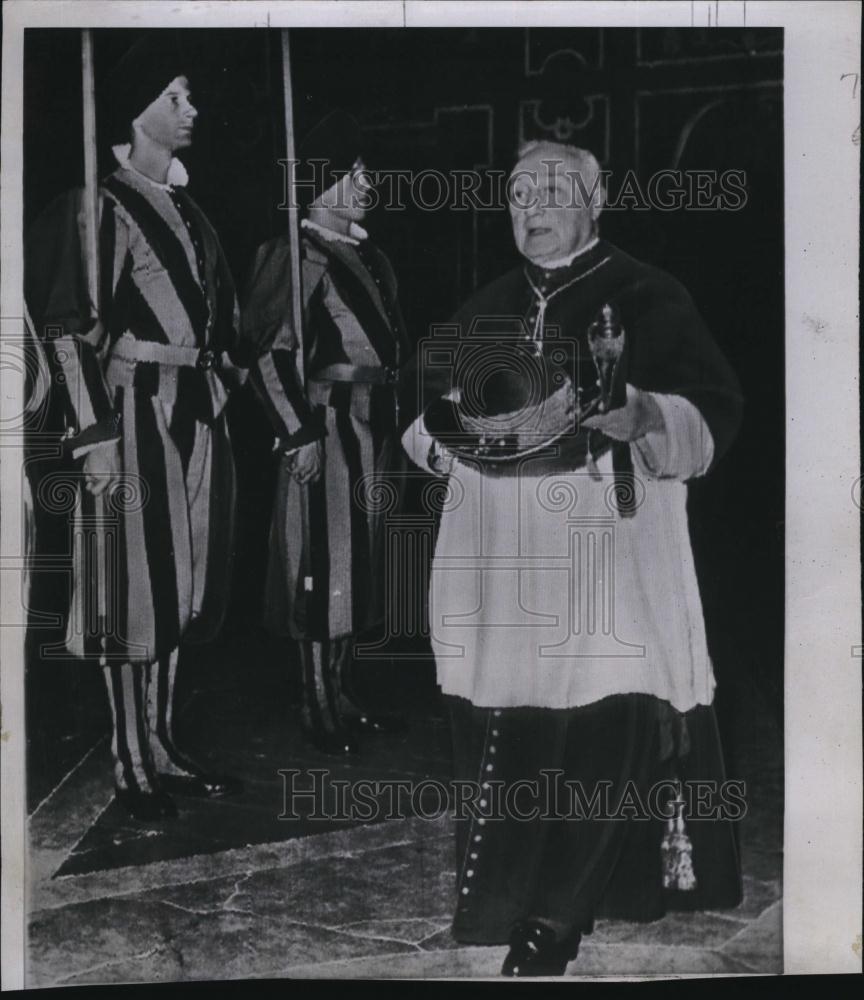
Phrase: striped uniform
(152, 558)
(162, 559)
(352, 323)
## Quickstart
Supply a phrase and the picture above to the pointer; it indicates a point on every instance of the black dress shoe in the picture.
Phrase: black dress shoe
(535, 951)
(201, 786)
(333, 742)
(148, 807)
(373, 724)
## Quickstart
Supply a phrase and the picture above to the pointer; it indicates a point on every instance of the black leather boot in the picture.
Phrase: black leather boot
(323, 725)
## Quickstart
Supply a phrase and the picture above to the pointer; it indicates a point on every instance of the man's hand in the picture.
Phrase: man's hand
(638, 417)
(440, 460)
(102, 468)
(306, 463)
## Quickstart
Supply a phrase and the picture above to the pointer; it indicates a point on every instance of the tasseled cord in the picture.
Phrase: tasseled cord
(677, 850)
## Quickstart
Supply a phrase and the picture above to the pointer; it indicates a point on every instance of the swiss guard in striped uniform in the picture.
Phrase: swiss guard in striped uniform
(336, 432)
(145, 391)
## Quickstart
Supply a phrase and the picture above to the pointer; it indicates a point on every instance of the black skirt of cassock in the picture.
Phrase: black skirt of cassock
(570, 871)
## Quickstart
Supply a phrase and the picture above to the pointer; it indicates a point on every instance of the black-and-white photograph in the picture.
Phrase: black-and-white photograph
(404, 487)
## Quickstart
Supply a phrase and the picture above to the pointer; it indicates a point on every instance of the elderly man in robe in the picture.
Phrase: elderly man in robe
(564, 608)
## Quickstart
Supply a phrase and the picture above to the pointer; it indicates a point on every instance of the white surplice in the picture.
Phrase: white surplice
(543, 595)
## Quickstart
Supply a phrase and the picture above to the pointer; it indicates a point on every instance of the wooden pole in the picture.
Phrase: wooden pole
(91, 180)
(296, 287)
(91, 269)
(293, 214)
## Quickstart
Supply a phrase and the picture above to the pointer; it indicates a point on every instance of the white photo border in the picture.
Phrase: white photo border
(823, 762)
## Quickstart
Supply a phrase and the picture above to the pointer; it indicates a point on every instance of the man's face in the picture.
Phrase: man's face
(349, 198)
(548, 207)
(169, 120)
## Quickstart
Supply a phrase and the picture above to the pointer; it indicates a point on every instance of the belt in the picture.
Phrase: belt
(167, 354)
(387, 375)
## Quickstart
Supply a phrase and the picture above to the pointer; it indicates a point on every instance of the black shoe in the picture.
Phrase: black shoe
(535, 951)
(201, 786)
(333, 742)
(373, 724)
(149, 807)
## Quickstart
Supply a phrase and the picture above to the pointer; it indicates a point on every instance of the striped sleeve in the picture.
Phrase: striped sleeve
(277, 383)
(74, 339)
(271, 339)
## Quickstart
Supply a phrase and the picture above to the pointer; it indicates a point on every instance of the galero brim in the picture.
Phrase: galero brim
(566, 445)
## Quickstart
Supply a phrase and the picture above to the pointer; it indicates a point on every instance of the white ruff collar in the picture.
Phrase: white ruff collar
(354, 235)
(177, 176)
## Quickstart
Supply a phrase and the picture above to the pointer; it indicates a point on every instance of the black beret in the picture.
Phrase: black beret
(337, 140)
(139, 77)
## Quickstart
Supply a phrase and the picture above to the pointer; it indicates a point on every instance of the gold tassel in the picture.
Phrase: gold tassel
(677, 850)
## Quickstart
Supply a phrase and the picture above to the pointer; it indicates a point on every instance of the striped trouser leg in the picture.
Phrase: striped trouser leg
(342, 669)
(320, 665)
(133, 763)
(160, 709)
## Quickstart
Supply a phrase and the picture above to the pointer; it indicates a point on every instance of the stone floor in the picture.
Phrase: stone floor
(229, 891)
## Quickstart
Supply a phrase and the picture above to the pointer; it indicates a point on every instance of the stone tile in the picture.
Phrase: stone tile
(460, 963)
(71, 940)
(159, 965)
(679, 938)
(485, 962)
(203, 897)
(760, 944)
(259, 857)
(113, 843)
(203, 827)
(406, 888)
(207, 935)
(758, 896)
(410, 930)
(650, 959)
(72, 808)
(689, 930)
(442, 940)
(407, 881)
(206, 827)
(766, 866)
(75, 804)
(367, 901)
(237, 946)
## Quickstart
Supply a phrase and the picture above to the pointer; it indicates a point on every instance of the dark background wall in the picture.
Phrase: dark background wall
(463, 99)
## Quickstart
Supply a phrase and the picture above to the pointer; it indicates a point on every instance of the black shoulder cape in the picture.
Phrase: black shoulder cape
(669, 349)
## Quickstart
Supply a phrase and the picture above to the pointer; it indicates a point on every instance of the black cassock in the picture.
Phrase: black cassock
(559, 866)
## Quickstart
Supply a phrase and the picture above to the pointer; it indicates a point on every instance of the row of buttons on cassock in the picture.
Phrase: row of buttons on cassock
(488, 767)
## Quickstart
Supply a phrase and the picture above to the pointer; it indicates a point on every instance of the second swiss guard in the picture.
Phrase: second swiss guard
(336, 427)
